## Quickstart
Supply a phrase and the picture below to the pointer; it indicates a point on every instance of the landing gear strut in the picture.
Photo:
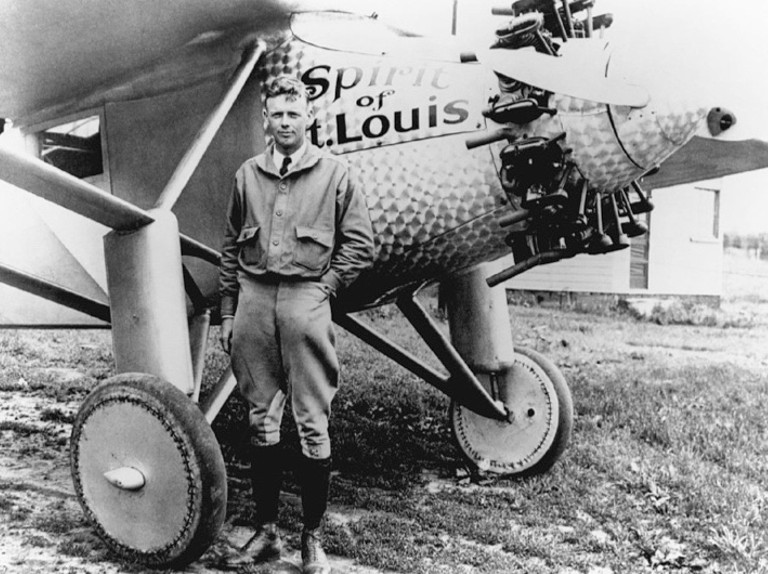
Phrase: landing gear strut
(539, 427)
(146, 466)
(532, 389)
(510, 408)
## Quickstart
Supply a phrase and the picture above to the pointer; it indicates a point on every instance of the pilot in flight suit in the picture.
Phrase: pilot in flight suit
(297, 233)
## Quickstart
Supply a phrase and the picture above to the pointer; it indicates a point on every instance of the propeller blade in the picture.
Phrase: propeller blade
(698, 52)
(574, 74)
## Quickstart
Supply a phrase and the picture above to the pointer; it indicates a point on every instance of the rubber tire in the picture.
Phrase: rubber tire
(565, 419)
(564, 424)
(190, 433)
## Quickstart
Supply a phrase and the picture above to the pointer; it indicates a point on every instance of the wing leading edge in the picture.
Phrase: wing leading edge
(705, 158)
(60, 57)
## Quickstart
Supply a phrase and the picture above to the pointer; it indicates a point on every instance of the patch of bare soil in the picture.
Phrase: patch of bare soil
(42, 527)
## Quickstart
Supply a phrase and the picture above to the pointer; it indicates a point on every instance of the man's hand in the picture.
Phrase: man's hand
(226, 334)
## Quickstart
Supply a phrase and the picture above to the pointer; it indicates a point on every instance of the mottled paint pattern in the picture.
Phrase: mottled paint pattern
(402, 124)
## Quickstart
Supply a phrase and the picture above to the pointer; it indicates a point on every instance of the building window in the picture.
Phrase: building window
(709, 214)
(74, 147)
(639, 255)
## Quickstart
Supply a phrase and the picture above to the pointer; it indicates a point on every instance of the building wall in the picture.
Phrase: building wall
(607, 273)
(686, 248)
(685, 253)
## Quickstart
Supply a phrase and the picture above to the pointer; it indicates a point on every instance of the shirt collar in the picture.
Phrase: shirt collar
(277, 157)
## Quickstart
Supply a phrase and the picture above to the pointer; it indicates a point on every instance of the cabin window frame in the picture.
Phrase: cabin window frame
(640, 254)
(705, 237)
(34, 144)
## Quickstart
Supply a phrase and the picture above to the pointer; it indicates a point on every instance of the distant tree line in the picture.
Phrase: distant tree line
(756, 243)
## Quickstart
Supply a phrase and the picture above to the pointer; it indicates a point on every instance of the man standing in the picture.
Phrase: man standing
(297, 233)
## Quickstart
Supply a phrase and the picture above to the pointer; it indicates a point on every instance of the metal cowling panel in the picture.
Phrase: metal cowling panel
(418, 191)
(651, 134)
(597, 150)
(434, 208)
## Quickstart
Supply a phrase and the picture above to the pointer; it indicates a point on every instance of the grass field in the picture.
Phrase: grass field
(667, 470)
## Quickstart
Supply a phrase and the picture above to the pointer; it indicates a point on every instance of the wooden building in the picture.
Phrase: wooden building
(682, 253)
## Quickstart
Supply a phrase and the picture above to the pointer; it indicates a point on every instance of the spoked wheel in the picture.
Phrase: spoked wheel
(539, 428)
(148, 471)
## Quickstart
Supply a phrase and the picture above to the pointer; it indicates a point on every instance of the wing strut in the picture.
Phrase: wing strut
(150, 332)
(57, 293)
(462, 385)
(59, 187)
(204, 137)
(147, 306)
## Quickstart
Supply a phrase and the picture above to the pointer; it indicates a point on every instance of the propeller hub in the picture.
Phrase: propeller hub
(720, 120)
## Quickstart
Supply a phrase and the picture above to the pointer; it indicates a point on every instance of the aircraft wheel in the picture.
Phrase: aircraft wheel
(538, 430)
(148, 471)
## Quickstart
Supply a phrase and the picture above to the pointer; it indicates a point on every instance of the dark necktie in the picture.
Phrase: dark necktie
(284, 167)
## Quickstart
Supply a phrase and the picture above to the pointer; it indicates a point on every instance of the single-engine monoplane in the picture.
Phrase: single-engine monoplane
(137, 115)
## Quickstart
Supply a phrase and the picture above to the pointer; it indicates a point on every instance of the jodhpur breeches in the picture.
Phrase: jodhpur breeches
(283, 345)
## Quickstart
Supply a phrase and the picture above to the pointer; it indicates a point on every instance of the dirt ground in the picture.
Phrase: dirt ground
(42, 527)
(43, 530)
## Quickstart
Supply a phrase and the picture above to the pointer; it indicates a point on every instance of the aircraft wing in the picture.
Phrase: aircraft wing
(62, 56)
(705, 158)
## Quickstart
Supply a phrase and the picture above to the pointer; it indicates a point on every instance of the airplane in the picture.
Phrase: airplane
(138, 115)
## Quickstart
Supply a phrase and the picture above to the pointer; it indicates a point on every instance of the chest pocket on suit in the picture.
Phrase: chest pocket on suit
(313, 248)
(251, 251)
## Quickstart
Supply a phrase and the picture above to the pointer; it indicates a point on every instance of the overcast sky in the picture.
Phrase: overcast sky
(713, 50)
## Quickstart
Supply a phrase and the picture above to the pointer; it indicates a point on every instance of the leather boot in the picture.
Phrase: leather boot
(315, 479)
(313, 558)
(264, 546)
(266, 481)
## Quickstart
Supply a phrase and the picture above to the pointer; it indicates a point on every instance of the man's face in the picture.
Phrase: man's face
(287, 121)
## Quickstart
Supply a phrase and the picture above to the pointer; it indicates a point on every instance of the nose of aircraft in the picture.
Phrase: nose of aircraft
(675, 62)
(703, 53)
(650, 134)
(720, 120)
(615, 144)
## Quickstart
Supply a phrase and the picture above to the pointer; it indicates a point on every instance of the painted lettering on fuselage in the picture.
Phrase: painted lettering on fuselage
(379, 102)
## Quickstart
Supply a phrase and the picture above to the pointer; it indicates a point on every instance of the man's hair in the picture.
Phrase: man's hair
(287, 86)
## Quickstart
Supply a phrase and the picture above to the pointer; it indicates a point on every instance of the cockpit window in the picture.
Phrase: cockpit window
(74, 147)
